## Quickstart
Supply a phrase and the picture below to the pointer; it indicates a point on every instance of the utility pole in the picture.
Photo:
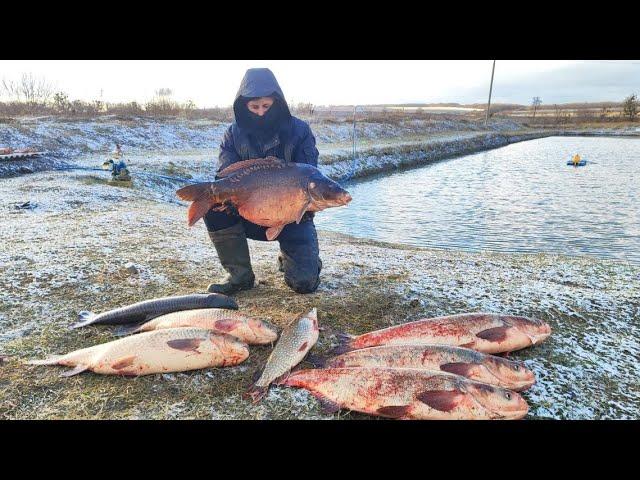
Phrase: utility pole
(486, 120)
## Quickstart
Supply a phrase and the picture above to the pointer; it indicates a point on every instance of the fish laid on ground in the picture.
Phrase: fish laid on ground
(249, 330)
(148, 309)
(267, 191)
(295, 341)
(456, 360)
(160, 351)
(484, 332)
(407, 393)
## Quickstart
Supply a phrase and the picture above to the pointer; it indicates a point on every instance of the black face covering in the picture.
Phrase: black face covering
(267, 125)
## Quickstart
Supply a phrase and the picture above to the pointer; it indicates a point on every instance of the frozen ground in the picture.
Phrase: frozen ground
(67, 238)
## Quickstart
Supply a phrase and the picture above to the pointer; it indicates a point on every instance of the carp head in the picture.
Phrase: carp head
(232, 350)
(535, 330)
(500, 402)
(262, 329)
(510, 372)
(325, 193)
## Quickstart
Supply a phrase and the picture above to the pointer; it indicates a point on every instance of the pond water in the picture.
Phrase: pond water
(520, 198)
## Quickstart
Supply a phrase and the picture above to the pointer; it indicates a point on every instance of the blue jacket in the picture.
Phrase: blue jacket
(293, 142)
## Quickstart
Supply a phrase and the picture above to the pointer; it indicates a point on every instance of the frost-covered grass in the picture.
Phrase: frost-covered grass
(71, 250)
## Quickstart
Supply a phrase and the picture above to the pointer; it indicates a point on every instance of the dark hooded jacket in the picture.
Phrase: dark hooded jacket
(284, 136)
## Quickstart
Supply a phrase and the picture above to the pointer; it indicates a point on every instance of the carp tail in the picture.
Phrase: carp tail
(201, 198)
(51, 360)
(344, 344)
(84, 318)
(255, 393)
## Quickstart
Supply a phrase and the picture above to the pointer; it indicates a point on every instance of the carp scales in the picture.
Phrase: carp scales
(148, 309)
(456, 360)
(484, 332)
(268, 192)
(249, 330)
(407, 393)
(295, 341)
(160, 351)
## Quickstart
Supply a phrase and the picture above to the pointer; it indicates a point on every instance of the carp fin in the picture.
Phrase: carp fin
(84, 318)
(302, 211)
(273, 232)
(237, 166)
(226, 324)
(76, 370)
(327, 406)
(458, 368)
(185, 344)
(496, 334)
(442, 400)
(127, 330)
(51, 360)
(123, 362)
(394, 411)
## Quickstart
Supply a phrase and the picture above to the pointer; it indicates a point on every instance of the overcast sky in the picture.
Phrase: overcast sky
(341, 82)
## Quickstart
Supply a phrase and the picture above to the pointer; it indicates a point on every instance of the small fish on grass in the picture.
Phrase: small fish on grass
(160, 351)
(295, 342)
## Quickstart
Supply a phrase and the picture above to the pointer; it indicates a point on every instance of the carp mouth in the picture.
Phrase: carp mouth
(325, 193)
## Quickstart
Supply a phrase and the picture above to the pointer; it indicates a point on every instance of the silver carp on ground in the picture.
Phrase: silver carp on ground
(160, 351)
(295, 341)
(407, 394)
(484, 332)
(148, 309)
(456, 360)
(247, 329)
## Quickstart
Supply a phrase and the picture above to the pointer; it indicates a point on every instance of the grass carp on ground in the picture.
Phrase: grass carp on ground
(268, 192)
(148, 309)
(484, 332)
(295, 341)
(456, 360)
(159, 351)
(249, 330)
(407, 393)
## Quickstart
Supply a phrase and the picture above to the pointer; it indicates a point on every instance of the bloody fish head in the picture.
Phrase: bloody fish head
(536, 330)
(263, 330)
(326, 193)
(232, 349)
(500, 402)
(514, 374)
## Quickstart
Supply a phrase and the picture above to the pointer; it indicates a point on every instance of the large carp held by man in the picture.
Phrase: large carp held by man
(268, 192)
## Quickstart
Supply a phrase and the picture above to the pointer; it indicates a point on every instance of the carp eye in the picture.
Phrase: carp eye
(507, 395)
(312, 185)
(516, 368)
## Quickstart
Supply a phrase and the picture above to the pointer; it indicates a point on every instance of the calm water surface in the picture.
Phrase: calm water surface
(520, 198)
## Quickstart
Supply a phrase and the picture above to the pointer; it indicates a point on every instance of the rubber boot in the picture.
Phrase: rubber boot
(233, 252)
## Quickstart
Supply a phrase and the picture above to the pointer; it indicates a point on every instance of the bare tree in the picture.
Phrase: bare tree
(536, 102)
(29, 89)
(630, 107)
(164, 92)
